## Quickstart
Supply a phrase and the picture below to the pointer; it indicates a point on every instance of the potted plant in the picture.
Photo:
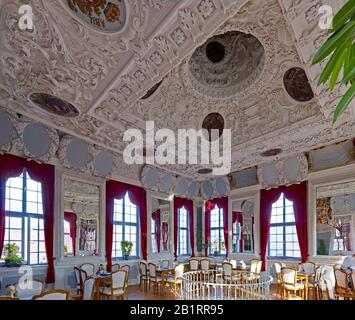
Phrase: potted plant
(12, 259)
(126, 247)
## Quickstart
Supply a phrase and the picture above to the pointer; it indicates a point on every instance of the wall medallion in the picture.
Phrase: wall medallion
(103, 15)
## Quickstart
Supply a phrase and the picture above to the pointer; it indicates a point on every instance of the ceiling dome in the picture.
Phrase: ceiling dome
(226, 64)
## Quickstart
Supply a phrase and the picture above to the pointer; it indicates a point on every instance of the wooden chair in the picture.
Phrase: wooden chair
(52, 295)
(290, 284)
(8, 298)
(144, 277)
(310, 269)
(342, 284)
(176, 279)
(227, 274)
(127, 268)
(278, 266)
(329, 281)
(255, 266)
(194, 264)
(29, 288)
(78, 279)
(89, 268)
(118, 281)
(115, 267)
(205, 264)
(352, 281)
(88, 291)
(153, 276)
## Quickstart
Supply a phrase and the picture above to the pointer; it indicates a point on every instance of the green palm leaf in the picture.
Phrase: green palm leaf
(344, 102)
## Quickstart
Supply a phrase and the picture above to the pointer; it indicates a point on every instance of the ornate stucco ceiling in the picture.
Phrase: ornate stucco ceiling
(105, 74)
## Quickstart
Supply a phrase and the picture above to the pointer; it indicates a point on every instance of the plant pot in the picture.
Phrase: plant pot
(12, 265)
(126, 256)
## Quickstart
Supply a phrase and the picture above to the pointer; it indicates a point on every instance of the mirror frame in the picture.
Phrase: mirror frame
(320, 179)
(248, 193)
(170, 198)
(99, 182)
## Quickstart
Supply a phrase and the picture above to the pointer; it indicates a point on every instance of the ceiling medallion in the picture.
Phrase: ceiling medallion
(213, 121)
(53, 105)
(152, 90)
(226, 64)
(297, 85)
(103, 15)
(271, 152)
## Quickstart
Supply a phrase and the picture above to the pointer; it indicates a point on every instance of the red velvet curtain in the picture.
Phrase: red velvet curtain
(189, 206)
(222, 203)
(138, 196)
(12, 166)
(296, 193)
(156, 218)
(71, 218)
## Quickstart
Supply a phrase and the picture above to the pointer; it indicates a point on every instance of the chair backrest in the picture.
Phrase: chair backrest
(165, 264)
(89, 268)
(152, 270)
(179, 271)
(52, 295)
(308, 267)
(127, 268)
(227, 269)
(8, 298)
(255, 265)
(143, 268)
(328, 279)
(194, 264)
(88, 289)
(115, 267)
(29, 288)
(78, 279)
(233, 262)
(289, 275)
(118, 279)
(205, 264)
(341, 279)
(278, 267)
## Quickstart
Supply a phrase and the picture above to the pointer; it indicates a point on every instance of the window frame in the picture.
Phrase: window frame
(187, 232)
(220, 229)
(123, 223)
(284, 225)
(24, 215)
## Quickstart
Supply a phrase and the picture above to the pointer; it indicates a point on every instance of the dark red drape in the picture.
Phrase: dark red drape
(296, 193)
(71, 218)
(13, 166)
(222, 203)
(138, 196)
(156, 218)
(189, 206)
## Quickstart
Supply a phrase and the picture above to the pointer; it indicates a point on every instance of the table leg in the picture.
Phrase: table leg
(306, 288)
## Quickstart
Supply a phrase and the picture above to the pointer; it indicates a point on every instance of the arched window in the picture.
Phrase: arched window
(183, 232)
(283, 240)
(125, 226)
(216, 231)
(24, 218)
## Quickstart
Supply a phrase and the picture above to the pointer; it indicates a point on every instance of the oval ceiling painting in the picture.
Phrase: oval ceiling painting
(297, 85)
(53, 105)
(103, 15)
